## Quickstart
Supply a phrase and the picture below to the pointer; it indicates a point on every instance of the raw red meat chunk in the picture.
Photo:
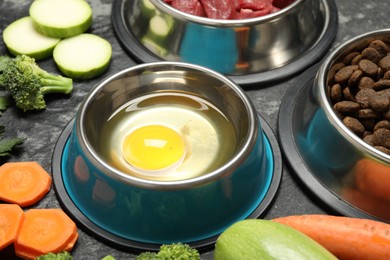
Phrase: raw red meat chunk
(189, 6)
(229, 9)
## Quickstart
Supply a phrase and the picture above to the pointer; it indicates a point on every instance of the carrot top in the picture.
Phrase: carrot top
(23, 183)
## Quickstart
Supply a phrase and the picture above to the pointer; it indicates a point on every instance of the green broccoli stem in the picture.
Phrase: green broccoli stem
(53, 83)
(58, 84)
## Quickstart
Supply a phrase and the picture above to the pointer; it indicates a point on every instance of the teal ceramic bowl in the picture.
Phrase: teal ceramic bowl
(157, 211)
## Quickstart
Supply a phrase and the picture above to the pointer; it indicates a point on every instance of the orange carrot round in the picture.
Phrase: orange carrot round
(373, 177)
(11, 217)
(44, 231)
(345, 237)
(23, 183)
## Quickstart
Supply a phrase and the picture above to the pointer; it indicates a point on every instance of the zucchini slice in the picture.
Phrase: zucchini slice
(83, 56)
(61, 18)
(20, 37)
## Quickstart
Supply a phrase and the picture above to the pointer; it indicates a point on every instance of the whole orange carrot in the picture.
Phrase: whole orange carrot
(345, 237)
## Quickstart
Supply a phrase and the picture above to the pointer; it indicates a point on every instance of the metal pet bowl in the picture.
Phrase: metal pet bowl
(250, 51)
(337, 162)
(133, 209)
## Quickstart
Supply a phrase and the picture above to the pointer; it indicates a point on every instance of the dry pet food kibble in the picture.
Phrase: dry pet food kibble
(359, 90)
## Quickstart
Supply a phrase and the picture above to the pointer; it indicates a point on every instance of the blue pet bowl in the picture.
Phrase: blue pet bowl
(136, 212)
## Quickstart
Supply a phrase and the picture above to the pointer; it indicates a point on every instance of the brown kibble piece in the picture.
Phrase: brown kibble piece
(382, 124)
(347, 107)
(386, 75)
(336, 93)
(366, 82)
(333, 70)
(380, 102)
(368, 67)
(356, 60)
(381, 84)
(355, 78)
(384, 63)
(371, 54)
(366, 133)
(348, 59)
(381, 137)
(348, 95)
(368, 113)
(363, 97)
(344, 73)
(354, 125)
(369, 139)
(380, 46)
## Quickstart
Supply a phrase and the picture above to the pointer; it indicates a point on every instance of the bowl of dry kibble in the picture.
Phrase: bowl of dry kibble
(352, 124)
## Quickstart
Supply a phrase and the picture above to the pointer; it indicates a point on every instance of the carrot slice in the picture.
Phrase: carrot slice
(23, 183)
(345, 237)
(31, 254)
(45, 231)
(11, 217)
(72, 242)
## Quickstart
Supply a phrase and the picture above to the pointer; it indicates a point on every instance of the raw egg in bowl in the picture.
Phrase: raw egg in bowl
(165, 152)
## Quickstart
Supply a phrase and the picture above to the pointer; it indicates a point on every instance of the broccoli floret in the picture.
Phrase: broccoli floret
(178, 251)
(60, 256)
(147, 256)
(175, 251)
(28, 83)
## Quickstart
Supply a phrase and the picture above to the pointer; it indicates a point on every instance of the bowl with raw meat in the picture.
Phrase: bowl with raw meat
(235, 38)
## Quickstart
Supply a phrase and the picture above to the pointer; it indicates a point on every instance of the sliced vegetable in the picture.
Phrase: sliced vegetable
(44, 231)
(61, 18)
(83, 56)
(345, 237)
(11, 217)
(159, 28)
(264, 239)
(147, 8)
(20, 37)
(23, 183)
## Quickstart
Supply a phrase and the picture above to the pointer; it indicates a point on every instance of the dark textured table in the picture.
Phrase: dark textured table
(42, 129)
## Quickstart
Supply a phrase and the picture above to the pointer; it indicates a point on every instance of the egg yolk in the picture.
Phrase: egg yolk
(153, 147)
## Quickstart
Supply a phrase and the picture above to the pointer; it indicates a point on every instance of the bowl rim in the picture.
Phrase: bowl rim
(167, 9)
(226, 169)
(323, 100)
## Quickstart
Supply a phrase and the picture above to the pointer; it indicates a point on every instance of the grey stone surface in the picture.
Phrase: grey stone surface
(42, 129)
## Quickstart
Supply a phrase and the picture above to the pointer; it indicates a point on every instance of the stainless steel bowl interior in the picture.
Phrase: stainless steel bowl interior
(117, 90)
(233, 47)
